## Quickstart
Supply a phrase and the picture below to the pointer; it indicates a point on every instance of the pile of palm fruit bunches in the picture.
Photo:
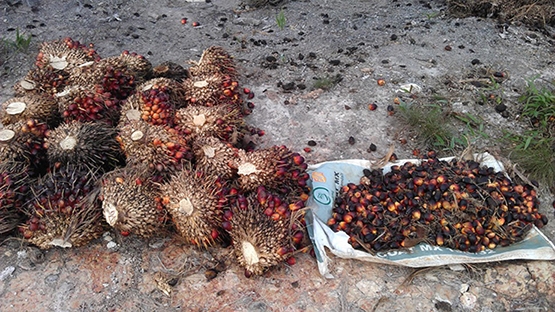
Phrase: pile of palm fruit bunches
(457, 204)
(88, 143)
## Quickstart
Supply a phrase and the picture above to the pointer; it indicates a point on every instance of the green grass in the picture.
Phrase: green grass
(534, 149)
(326, 83)
(281, 20)
(10, 47)
(435, 126)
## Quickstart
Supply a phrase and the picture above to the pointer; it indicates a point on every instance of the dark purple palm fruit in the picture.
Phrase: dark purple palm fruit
(131, 202)
(64, 209)
(260, 242)
(214, 60)
(277, 168)
(196, 201)
(161, 151)
(14, 189)
(85, 104)
(88, 145)
(32, 106)
(21, 145)
(214, 156)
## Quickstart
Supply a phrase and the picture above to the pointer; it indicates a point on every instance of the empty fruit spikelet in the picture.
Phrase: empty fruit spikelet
(195, 201)
(131, 203)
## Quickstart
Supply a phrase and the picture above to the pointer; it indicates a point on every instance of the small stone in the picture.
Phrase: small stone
(311, 143)
(351, 140)
(500, 108)
(393, 37)
(271, 59)
(288, 86)
(6, 272)
(372, 147)
(335, 62)
(448, 48)
(475, 62)
(51, 279)
(111, 245)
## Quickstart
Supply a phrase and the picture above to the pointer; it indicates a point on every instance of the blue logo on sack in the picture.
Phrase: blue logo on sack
(322, 195)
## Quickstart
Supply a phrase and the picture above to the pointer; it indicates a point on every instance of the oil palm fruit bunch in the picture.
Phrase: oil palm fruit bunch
(277, 168)
(260, 241)
(65, 54)
(41, 81)
(154, 102)
(196, 202)
(131, 202)
(224, 122)
(212, 90)
(161, 151)
(78, 103)
(31, 106)
(14, 189)
(457, 204)
(64, 209)
(84, 144)
(170, 70)
(214, 156)
(214, 60)
(21, 145)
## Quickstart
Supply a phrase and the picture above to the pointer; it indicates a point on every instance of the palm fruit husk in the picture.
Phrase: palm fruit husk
(131, 202)
(214, 60)
(212, 90)
(214, 156)
(155, 102)
(21, 144)
(276, 167)
(14, 189)
(41, 81)
(32, 106)
(223, 122)
(161, 151)
(64, 209)
(90, 145)
(196, 202)
(170, 70)
(84, 104)
(65, 54)
(260, 242)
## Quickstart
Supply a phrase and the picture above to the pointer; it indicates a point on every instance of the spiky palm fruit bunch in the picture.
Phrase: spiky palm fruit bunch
(170, 70)
(212, 90)
(214, 156)
(65, 54)
(64, 209)
(14, 189)
(40, 81)
(214, 60)
(196, 202)
(21, 144)
(155, 102)
(138, 64)
(84, 104)
(131, 203)
(260, 242)
(31, 106)
(224, 122)
(88, 145)
(277, 168)
(162, 151)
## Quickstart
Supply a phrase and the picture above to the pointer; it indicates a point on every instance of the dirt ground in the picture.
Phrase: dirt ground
(352, 43)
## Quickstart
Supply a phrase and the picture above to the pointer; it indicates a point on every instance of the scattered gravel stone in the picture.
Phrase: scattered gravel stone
(6, 272)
